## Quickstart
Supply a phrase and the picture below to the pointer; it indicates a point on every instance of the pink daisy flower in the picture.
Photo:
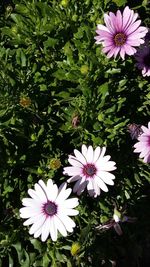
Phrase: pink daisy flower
(143, 146)
(121, 33)
(90, 169)
(143, 60)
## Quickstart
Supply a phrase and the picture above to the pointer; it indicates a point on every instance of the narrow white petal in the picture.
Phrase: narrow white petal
(29, 221)
(75, 162)
(40, 192)
(89, 155)
(38, 233)
(96, 154)
(70, 212)
(103, 152)
(101, 184)
(96, 188)
(32, 193)
(53, 229)
(49, 189)
(71, 171)
(79, 156)
(60, 226)
(71, 203)
(84, 150)
(52, 190)
(106, 177)
(63, 193)
(32, 220)
(45, 230)
(108, 174)
(68, 223)
(90, 188)
(74, 178)
(38, 224)
(29, 202)
(106, 158)
(106, 166)
(27, 212)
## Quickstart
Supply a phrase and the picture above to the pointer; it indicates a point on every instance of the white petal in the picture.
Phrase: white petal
(32, 193)
(63, 193)
(38, 233)
(74, 162)
(101, 184)
(47, 189)
(29, 221)
(96, 154)
(90, 188)
(106, 166)
(74, 178)
(71, 212)
(103, 152)
(53, 230)
(106, 158)
(60, 226)
(32, 220)
(40, 192)
(106, 177)
(38, 224)
(27, 212)
(52, 190)
(71, 203)
(68, 223)
(89, 155)
(71, 171)
(29, 202)
(96, 188)
(108, 174)
(79, 156)
(46, 229)
(84, 150)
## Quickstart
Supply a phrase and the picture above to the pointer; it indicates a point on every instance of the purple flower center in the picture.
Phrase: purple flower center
(50, 208)
(89, 170)
(120, 39)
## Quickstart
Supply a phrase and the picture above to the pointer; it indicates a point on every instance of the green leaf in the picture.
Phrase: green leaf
(119, 2)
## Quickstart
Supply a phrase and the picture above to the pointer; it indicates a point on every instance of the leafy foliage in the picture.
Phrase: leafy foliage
(58, 91)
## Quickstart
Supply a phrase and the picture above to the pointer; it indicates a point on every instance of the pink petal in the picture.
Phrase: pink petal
(110, 23)
(127, 17)
(133, 27)
(129, 50)
(119, 21)
(122, 53)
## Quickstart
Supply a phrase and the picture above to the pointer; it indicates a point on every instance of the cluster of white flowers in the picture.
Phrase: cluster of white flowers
(48, 209)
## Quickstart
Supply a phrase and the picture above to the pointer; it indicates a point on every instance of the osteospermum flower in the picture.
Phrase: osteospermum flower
(143, 144)
(143, 60)
(90, 169)
(115, 222)
(48, 210)
(121, 33)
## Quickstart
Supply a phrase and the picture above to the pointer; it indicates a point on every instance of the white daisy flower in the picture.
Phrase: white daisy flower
(48, 210)
(90, 169)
